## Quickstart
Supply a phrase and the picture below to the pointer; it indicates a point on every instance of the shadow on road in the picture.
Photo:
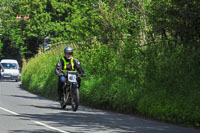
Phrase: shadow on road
(96, 121)
(48, 107)
(29, 97)
(28, 131)
(89, 120)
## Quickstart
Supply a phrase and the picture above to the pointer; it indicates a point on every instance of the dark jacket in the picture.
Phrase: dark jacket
(60, 66)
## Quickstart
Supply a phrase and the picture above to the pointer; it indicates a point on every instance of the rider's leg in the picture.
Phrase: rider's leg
(63, 79)
(60, 84)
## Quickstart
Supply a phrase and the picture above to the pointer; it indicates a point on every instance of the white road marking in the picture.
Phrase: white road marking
(37, 122)
(53, 128)
(9, 111)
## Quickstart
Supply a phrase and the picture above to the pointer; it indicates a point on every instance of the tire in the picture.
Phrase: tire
(75, 100)
(62, 105)
(65, 101)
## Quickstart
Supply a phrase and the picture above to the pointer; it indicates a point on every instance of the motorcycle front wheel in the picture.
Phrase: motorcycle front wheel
(64, 103)
(75, 100)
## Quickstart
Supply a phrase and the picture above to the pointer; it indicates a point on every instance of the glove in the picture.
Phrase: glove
(65, 74)
(62, 74)
(83, 75)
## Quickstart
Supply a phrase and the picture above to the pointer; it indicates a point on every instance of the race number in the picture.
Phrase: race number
(72, 77)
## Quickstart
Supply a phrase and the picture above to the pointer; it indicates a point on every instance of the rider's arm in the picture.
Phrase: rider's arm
(78, 66)
(58, 69)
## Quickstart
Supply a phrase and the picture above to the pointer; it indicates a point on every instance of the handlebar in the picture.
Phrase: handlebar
(72, 72)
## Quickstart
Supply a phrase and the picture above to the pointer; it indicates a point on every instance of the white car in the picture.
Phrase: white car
(11, 69)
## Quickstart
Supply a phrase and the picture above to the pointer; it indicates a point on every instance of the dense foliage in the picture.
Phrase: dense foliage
(140, 56)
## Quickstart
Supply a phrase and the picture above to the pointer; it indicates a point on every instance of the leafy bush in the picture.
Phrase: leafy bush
(140, 60)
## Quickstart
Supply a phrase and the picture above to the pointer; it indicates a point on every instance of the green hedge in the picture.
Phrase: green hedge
(160, 86)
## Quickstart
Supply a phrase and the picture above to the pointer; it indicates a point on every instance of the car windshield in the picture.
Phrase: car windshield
(9, 65)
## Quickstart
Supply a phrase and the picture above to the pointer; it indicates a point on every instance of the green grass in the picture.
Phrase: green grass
(157, 88)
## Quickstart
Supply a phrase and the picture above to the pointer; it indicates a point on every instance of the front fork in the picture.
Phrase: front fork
(73, 87)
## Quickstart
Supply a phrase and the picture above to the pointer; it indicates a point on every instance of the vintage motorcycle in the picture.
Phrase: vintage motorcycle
(71, 91)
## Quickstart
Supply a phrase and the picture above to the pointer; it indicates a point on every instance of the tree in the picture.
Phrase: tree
(11, 38)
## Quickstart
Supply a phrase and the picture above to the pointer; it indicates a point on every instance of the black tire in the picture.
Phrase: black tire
(63, 102)
(75, 100)
(62, 105)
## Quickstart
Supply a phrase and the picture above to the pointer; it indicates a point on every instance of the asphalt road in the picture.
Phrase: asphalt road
(23, 112)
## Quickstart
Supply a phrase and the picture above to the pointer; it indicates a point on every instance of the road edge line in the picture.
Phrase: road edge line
(37, 122)
(47, 126)
(9, 111)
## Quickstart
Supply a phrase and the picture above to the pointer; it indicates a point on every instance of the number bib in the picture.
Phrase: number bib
(72, 77)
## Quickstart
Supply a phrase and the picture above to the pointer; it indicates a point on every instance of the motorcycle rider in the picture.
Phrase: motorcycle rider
(67, 63)
(1, 68)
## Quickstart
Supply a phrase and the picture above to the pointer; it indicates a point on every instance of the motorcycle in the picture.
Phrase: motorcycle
(71, 91)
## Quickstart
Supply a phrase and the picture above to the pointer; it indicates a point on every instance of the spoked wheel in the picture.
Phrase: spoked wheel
(75, 100)
(63, 102)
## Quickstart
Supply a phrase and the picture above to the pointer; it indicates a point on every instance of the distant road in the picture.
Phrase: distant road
(23, 112)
